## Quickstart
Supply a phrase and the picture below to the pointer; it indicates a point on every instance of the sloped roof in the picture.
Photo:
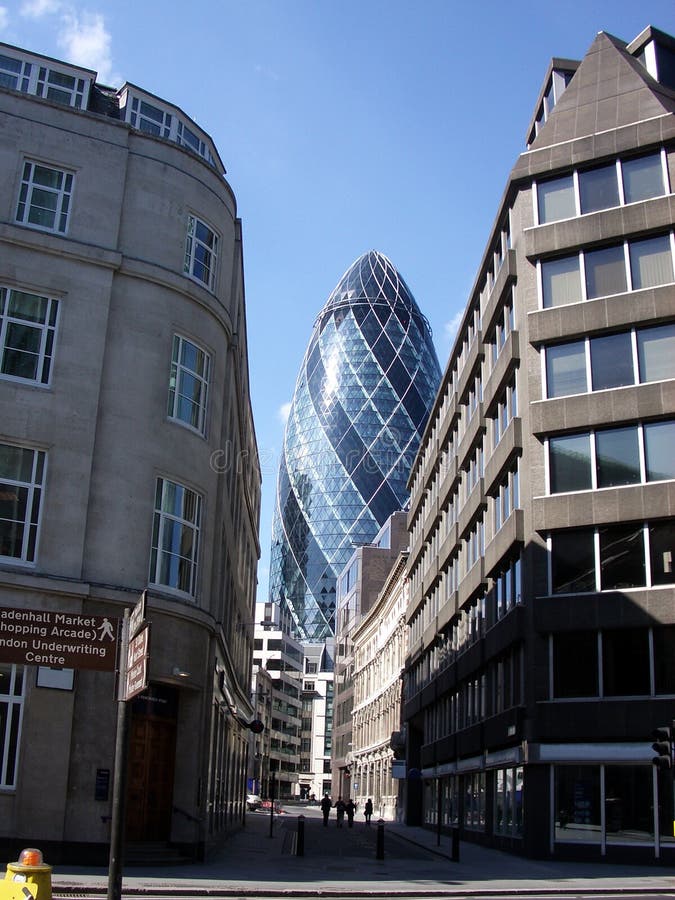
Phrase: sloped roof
(610, 89)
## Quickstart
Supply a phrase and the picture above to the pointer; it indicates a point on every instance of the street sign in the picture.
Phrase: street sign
(41, 637)
(136, 673)
(137, 615)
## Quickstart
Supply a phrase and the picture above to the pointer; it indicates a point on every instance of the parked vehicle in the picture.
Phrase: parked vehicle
(253, 802)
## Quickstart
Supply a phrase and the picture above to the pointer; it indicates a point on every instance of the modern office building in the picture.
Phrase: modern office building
(128, 461)
(281, 655)
(542, 608)
(316, 735)
(361, 401)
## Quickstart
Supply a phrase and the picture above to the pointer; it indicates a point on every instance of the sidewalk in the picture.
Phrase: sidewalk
(342, 862)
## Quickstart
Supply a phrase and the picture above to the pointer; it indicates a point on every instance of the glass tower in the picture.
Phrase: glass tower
(361, 401)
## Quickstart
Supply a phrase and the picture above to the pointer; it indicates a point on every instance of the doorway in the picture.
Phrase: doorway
(151, 763)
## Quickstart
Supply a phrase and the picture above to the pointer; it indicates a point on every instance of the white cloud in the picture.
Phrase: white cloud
(86, 41)
(4, 18)
(36, 9)
(450, 328)
(283, 412)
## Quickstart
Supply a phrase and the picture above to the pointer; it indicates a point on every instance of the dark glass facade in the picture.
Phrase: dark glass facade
(361, 401)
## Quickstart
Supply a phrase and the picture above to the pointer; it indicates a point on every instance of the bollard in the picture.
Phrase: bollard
(379, 847)
(28, 877)
(455, 844)
(300, 845)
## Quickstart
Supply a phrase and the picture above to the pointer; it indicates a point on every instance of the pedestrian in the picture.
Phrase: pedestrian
(350, 809)
(368, 810)
(340, 807)
(326, 805)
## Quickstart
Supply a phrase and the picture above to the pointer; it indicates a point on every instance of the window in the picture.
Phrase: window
(598, 189)
(44, 198)
(570, 463)
(149, 118)
(27, 328)
(188, 384)
(605, 272)
(566, 369)
(508, 817)
(12, 692)
(609, 270)
(561, 281)
(622, 560)
(604, 187)
(612, 457)
(22, 473)
(61, 88)
(507, 498)
(575, 664)
(201, 252)
(611, 360)
(14, 73)
(625, 662)
(556, 199)
(507, 409)
(651, 262)
(175, 537)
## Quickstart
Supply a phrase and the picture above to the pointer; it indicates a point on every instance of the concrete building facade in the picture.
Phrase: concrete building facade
(380, 643)
(359, 585)
(128, 458)
(542, 613)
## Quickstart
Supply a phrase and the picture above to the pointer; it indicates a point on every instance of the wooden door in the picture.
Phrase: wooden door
(152, 753)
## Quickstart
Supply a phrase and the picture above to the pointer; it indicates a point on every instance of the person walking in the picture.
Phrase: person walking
(340, 807)
(350, 809)
(368, 810)
(326, 806)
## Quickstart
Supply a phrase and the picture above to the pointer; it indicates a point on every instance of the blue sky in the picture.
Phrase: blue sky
(345, 126)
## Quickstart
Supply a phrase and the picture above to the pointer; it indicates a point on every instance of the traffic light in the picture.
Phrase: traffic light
(663, 747)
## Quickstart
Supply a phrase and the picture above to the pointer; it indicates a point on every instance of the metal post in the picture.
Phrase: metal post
(119, 776)
(300, 846)
(271, 800)
(379, 847)
(439, 811)
(455, 844)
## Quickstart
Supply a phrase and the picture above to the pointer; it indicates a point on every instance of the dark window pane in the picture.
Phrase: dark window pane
(625, 662)
(611, 361)
(566, 370)
(573, 562)
(629, 815)
(642, 178)
(660, 450)
(570, 463)
(661, 550)
(622, 557)
(575, 664)
(664, 659)
(577, 804)
(617, 456)
(605, 272)
(598, 189)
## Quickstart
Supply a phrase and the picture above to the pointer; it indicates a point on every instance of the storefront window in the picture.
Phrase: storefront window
(577, 804)
(508, 813)
(629, 816)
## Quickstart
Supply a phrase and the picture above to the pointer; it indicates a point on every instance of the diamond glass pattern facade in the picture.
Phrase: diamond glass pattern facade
(364, 392)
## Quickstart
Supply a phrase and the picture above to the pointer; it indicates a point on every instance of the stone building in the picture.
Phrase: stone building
(542, 608)
(128, 459)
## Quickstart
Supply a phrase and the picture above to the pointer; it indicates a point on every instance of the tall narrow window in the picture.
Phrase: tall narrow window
(44, 198)
(201, 252)
(27, 328)
(22, 472)
(188, 383)
(12, 692)
(175, 537)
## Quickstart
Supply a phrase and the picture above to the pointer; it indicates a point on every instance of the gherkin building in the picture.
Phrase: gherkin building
(365, 389)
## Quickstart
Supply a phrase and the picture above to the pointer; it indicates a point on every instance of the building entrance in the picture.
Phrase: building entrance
(151, 761)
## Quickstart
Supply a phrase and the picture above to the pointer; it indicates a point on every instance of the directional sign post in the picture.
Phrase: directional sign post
(136, 675)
